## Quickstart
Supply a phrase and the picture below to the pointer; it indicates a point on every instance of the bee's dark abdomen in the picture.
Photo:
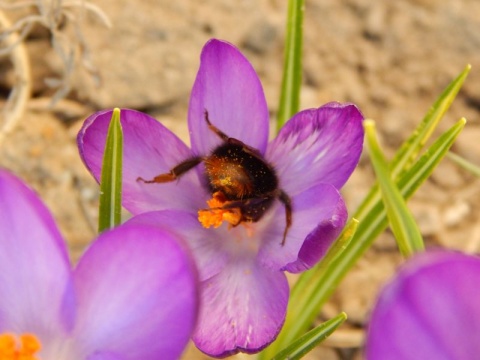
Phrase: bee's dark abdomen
(248, 171)
(255, 209)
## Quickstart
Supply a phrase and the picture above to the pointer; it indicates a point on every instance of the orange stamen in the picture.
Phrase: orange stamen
(215, 215)
(23, 347)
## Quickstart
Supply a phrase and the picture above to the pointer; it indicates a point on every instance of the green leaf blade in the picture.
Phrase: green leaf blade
(465, 164)
(405, 156)
(402, 223)
(376, 220)
(411, 147)
(310, 340)
(292, 70)
(111, 179)
(302, 310)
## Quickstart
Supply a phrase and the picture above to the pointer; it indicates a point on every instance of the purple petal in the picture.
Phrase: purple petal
(229, 89)
(105, 356)
(149, 149)
(205, 245)
(429, 311)
(243, 309)
(35, 275)
(319, 215)
(137, 294)
(318, 146)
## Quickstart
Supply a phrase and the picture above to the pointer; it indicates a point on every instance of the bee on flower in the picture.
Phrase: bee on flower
(249, 208)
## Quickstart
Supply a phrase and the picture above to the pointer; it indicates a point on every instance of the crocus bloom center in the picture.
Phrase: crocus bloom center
(23, 347)
(219, 212)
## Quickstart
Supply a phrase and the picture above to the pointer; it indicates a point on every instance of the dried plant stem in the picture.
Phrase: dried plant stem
(21, 92)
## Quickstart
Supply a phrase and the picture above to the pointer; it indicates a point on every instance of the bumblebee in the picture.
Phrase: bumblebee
(242, 183)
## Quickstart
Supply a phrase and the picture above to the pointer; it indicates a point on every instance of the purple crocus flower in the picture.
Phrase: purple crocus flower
(244, 292)
(430, 310)
(132, 294)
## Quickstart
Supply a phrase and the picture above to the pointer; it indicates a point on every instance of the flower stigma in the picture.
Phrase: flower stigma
(23, 347)
(216, 214)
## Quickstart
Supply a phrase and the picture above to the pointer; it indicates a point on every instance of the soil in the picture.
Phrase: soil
(391, 58)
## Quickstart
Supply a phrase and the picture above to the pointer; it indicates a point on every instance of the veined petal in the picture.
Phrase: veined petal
(429, 311)
(228, 88)
(205, 244)
(317, 146)
(35, 277)
(137, 294)
(243, 309)
(319, 215)
(149, 149)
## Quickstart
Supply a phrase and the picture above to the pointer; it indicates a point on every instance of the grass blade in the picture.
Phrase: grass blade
(409, 150)
(402, 223)
(303, 310)
(111, 181)
(372, 216)
(307, 342)
(406, 155)
(464, 163)
(292, 69)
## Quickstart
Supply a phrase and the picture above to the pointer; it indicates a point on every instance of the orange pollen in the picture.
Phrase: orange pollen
(216, 215)
(23, 347)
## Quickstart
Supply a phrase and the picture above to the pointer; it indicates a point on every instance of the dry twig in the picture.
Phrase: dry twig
(67, 41)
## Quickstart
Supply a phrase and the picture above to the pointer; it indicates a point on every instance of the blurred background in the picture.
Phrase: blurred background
(61, 61)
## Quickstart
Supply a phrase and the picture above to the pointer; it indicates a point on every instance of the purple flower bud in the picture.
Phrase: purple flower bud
(132, 295)
(430, 310)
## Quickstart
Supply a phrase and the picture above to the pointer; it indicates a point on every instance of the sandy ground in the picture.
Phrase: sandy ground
(390, 58)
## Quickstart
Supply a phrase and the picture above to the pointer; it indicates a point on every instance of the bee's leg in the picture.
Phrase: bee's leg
(253, 209)
(287, 202)
(176, 172)
(216, 130)
(228, 139)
